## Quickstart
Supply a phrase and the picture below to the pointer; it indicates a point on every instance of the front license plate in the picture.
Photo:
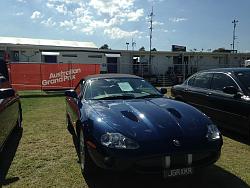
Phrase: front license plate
(177, 172)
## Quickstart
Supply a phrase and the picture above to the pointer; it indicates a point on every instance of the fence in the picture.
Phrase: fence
(40, 76)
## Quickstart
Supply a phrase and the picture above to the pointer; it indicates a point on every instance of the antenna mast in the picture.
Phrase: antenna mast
(234, 37)
(133, 44)
(150, 37)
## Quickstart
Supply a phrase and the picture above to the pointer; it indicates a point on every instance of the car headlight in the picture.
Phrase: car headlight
(118, 141)
(213, 133)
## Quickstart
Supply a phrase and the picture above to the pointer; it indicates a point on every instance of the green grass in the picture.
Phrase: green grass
(46, 157)
(39, 93)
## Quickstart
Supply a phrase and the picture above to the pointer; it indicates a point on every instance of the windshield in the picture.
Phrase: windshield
(120, 88)
(244, 78)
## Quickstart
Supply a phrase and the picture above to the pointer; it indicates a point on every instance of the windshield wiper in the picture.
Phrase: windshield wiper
(112, 97)
(150, 96)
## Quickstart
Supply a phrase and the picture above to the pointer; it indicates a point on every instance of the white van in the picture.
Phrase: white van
(247, 63)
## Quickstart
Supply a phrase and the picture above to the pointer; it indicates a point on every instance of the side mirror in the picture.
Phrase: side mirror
(70, 93)
(230, 90)
(5, 93)
(163, 91)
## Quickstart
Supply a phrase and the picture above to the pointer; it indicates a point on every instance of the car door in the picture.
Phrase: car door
(198, 91)
(73, 104)
(13, 111)
(8, 116)
(181, 92)
(4, 120)
(228, 110)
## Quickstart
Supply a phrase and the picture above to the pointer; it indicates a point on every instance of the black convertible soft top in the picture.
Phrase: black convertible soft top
(227, 70)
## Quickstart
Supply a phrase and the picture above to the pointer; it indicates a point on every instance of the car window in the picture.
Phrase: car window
(190, 81)
(202, 80)
(133, 87)
(221, 80)
(88, 93)
(244, 78)
(79, 88)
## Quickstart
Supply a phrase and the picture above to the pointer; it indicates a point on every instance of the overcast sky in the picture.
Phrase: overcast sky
(200, 24)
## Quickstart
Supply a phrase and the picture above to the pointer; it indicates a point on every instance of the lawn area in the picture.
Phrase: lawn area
(46, 157)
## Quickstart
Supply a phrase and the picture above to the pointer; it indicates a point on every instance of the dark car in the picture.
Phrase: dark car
(122, 122)
(10, 111)
(222, 94)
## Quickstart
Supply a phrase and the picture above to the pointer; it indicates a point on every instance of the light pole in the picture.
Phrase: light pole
(133, 44)
(234, 37)
(127, 43)
(150, 38)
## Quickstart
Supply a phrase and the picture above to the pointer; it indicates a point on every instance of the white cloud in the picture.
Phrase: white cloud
(90, 16)
(65, 1)
(135, 16)
(22, 1)
(117, 33)
(67, 23)
(49, 5)
(36, 15)
(156, 23)
(62, 9)
(111, 7)
(155, 1)
(168, 31)
(87, 30)
(49, 22)
(175, 19)
(19, 14)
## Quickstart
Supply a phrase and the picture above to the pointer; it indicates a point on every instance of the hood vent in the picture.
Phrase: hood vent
(174, 112)
(130, 115)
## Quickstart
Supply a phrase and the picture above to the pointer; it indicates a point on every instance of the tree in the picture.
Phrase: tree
(105, 46)
(142, 48)
(222, 50)
(154, 49)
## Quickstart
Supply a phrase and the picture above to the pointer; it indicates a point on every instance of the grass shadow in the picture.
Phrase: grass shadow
(213, 176)
(235, 136)
(7, 155)
(41, 93)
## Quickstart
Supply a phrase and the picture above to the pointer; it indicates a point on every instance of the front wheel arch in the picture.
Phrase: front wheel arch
(89, 166)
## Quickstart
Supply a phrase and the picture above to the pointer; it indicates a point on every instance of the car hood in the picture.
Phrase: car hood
(152, 119)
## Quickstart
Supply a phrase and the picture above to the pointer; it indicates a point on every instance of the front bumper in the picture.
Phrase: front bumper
(155, 163)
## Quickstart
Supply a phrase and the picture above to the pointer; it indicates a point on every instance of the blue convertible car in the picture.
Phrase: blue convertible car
(122, 122)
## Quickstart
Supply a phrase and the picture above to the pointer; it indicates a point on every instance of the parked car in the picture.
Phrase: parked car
(122, 122)
(10, 111)
(222, 94)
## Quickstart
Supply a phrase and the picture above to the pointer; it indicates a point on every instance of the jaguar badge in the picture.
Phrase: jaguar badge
(177, 143)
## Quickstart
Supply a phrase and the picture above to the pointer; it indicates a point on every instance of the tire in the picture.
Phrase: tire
(86, 163)
(19, 120)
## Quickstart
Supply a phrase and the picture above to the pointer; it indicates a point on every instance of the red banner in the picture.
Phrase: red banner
(40, 76)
